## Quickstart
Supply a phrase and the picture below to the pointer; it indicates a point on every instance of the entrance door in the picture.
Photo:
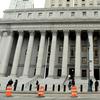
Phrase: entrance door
(72, 72)
(96, 74)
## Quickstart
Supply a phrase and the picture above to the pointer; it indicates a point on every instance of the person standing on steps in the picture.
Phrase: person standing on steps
(96, 85)
(15, 85)
(37, 85)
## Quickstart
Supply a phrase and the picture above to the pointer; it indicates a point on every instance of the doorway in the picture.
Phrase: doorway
(72, 73)
(96, 74)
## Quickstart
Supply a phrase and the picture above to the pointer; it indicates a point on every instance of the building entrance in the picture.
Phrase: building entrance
(72, 72)
(96, 74)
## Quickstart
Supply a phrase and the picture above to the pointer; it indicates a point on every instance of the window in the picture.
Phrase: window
(95, 51)
(60, 60)
(29, 14)
(84, 73)
(84, 49)
(50, 13)
(72, 52)
(52, 5)
(95, 13)
(67, 5)
(19, 14)
(75, 5)
(83, 0)
(61, 13)
(84, 13)
(91, 4)
(72, 13)
(96, 60)
(59, 72)
(84, 60)
(72, 60)
(60, 5)
(83, 5)
(60, 48)
(68, 0)
(39, 14)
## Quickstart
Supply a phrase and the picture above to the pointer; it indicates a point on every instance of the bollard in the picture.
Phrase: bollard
(64, 88)
(22, 89)
(53, 88)
(30, 88)
(81, 88)
(58, 88)
(46, 87)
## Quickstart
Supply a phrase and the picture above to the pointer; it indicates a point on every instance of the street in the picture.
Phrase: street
(51, 97)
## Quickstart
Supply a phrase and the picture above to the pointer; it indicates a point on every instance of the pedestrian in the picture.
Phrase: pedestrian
(10, 82)
(73, 82)
(90, 85)
(15, 85)
(70, 84)
(37, 85)
(96, 85)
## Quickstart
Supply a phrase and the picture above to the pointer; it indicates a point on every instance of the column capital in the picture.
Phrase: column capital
(54, 32)
(4, 33)
(78, 31)
(66, 32)
(42, 32)
(90, 31)
(10, 32)
(20, 32)
(31, 32)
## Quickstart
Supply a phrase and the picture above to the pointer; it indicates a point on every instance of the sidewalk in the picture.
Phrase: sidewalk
(33, 92)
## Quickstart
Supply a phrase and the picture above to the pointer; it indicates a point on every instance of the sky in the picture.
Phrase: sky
(4, 4)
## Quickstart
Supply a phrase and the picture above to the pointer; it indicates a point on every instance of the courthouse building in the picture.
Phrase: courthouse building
(50, 43)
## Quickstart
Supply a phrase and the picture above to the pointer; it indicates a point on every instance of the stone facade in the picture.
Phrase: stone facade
(49, 44)
(21, 4)
(71, 3)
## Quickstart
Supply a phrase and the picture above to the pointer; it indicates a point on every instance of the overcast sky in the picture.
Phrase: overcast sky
(4, 4)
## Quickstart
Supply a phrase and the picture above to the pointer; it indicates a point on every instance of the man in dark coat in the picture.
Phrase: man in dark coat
(37, 85)
(10, 82)
(96, 85)
(90, 85)
(15, 85)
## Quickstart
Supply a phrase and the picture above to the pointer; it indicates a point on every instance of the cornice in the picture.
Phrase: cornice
(51, 9)
(52, 21)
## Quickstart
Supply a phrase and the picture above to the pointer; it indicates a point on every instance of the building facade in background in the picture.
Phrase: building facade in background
(72, 3)
(50, 43)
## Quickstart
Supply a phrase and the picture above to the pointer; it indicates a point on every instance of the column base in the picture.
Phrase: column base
(50, 76)
(24, 76)
(2, 75)
(38, 76)
(12, 75)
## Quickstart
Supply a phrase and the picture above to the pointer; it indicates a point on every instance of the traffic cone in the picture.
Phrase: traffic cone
(41, 91)
(74, 91)
(9, 91)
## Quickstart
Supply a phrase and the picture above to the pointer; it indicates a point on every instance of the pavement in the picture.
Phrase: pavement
(89, 96)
